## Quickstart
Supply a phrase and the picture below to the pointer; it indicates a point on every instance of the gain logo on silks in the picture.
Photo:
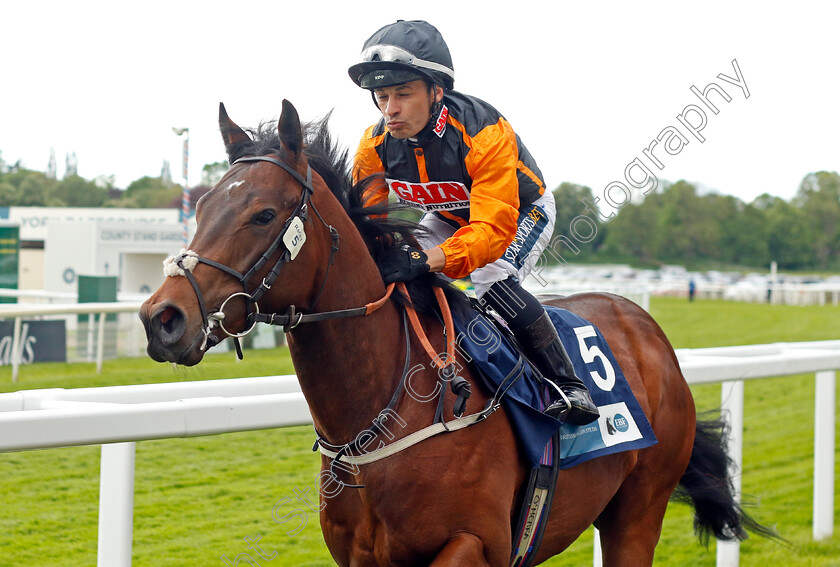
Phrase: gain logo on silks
(432, 196)
(617, 425)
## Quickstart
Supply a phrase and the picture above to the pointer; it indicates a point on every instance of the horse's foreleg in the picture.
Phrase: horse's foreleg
(465, 550)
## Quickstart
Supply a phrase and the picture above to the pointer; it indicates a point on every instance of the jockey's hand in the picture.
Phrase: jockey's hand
(402, 264)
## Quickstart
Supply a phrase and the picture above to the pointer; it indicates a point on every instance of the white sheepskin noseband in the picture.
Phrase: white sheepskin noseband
(188, 258)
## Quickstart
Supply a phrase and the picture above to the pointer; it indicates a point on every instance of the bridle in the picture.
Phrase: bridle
(291, 237)
(293, 227)
(188, 259)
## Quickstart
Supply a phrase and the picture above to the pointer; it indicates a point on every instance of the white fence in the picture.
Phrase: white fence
(20, 311)
(62, 305)
(118, 416)
(131, 337)
(733, 365)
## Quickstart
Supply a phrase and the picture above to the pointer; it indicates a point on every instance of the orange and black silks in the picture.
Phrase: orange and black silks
(468, 168)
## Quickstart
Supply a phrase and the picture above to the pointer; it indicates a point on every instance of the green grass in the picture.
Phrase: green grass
(196, 499)
(144, 370)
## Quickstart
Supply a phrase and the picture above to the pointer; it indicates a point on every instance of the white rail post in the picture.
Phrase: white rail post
(16, 349)
(89, 353)
(116, 505)
(824, 455)
(100, 343)
(732, 406)
(597, 554)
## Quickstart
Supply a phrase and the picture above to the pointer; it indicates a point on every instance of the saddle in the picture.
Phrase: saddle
(548, 445)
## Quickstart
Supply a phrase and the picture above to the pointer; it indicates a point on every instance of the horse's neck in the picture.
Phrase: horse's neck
(348, 368)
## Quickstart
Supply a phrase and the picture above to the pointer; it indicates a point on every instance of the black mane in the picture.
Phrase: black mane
(380, 228)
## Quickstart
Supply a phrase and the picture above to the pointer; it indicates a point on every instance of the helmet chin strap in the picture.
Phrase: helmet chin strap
(436, 106)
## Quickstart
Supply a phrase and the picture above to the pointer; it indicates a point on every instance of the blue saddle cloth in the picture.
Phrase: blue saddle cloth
(622, 425)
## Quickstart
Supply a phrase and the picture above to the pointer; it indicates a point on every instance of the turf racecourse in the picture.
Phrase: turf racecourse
(197, 499)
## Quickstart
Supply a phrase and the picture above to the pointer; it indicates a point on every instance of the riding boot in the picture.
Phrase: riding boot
(532, 327)
(545, 349)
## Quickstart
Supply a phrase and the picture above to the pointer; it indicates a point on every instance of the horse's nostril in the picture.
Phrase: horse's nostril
(167, 315)
(171, 323)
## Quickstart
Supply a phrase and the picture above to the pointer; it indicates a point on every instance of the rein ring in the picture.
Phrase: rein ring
(222, 310)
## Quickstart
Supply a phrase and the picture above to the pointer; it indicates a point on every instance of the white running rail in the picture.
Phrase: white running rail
(117, 417)
(19, 311)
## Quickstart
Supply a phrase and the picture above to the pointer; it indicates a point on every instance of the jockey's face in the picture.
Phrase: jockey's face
(407, 107)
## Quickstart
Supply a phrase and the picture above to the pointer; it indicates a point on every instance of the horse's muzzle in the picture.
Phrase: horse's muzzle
(166, 325)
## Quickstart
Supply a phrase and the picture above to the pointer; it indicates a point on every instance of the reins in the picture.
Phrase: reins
(459, 385)
(292, 318)
(421, 335)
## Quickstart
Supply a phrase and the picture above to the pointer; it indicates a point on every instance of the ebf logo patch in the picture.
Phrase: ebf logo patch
(620, 423)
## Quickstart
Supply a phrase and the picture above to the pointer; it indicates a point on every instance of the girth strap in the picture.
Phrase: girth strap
(406, 442)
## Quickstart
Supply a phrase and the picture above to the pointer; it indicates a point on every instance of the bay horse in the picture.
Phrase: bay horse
(450, 500)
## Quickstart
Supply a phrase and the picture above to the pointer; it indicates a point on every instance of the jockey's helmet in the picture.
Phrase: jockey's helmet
(401, 52)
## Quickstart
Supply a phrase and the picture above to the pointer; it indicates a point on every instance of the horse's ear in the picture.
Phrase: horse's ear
(231, 133)
(289, 127)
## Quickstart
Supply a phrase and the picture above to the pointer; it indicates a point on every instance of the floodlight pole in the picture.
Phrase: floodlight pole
(185, 194)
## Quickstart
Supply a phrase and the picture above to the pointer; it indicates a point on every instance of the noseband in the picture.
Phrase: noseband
(291, 238)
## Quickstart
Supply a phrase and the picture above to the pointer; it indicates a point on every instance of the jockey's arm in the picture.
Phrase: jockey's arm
(436, 259)
(494, 202)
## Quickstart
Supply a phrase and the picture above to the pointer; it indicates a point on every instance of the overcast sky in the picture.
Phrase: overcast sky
(587, 85)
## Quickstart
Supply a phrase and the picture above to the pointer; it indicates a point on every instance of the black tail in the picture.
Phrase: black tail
(707, 487)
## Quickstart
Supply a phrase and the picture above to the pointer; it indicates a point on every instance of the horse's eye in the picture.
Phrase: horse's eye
(264, 217)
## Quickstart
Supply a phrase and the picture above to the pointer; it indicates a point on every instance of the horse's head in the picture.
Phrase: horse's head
(251, 225)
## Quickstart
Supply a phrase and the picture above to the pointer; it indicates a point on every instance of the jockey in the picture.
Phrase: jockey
(487, 212)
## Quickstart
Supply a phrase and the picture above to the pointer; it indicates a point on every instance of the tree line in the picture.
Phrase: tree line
(679, 224)
(23, 187)
(675, 224)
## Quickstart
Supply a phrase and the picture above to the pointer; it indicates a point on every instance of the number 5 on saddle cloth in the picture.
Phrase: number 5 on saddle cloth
(548, 444)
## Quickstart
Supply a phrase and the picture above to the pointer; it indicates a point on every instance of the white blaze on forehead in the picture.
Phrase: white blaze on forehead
(233, 186)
